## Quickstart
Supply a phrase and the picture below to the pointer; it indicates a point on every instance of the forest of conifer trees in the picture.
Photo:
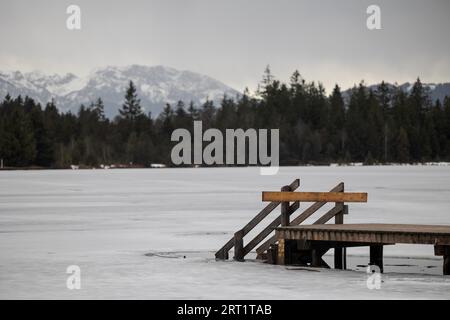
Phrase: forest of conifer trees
(385, 125)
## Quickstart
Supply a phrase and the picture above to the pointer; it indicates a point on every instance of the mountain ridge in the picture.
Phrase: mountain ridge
(156, 86)
(436, 90)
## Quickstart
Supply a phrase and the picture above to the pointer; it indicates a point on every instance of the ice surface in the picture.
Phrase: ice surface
(152, 233)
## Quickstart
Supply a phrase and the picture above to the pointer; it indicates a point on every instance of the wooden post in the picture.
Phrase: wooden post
(446, 268)
(281, 252)
(376, 256)
(239, 245)
(443, 250)
(344, 250)
(272, 254)
(283, 247)
(339, 252)
(222, 254)
(285, 209)
(316, 258)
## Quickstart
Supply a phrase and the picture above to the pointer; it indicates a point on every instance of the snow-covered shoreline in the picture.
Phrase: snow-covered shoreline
(160, 166)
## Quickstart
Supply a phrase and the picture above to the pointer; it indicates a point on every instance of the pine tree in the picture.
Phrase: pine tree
(207, 114)
(375, 126)
(132, 148)
(193, 112)
(337, 109)
(244, 111)
(44, 148)
(446, 130)
(384, 97)
(336, 123)
(182, 118)
(131, 107)
(266, 83)
(402, 146)
(99, 109)
(226, 115)
(356, 123)
(166, 118)
(19, 145)
(418, 103)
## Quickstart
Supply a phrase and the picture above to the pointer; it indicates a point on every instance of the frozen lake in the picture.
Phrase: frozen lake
(152, 233)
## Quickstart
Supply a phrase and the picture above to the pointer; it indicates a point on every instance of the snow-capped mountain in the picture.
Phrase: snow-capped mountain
(156, 86)
(436, 90)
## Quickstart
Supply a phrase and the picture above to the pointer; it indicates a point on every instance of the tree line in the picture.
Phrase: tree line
(381, 125)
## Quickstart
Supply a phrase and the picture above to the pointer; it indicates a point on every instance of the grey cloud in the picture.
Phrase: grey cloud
(233, 40)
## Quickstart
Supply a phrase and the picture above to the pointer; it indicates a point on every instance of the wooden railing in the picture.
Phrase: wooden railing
(336, 211)
(237, 239)
(290, 202)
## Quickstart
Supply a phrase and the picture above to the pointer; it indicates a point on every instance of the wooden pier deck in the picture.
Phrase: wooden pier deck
(317, 239)
(370, 233)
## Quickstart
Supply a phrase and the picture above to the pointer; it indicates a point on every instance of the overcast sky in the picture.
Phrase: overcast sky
(232, 40)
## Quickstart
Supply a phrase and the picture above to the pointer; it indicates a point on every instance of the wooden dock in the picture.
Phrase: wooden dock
(315, 240)
(296, 243)
(369, 233)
